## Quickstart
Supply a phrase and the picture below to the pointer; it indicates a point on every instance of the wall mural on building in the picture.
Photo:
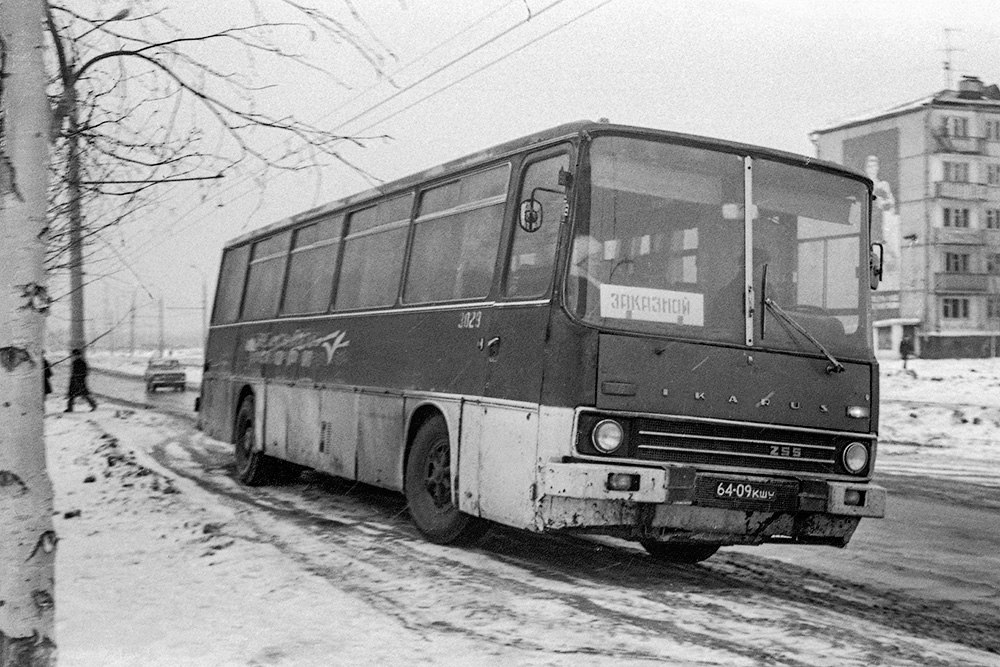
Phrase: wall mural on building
(877, 155)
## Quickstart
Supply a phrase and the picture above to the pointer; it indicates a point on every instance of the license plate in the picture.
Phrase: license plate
(745, 493)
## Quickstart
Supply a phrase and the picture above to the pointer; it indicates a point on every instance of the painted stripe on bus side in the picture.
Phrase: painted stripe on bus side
(465, 305)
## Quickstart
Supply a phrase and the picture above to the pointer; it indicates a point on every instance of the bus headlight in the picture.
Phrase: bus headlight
(855, 457)
(607, 436)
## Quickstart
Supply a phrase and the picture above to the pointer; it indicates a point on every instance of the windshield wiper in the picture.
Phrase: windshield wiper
(834, 366)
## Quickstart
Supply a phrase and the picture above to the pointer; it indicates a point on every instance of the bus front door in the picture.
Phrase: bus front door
(504, 423)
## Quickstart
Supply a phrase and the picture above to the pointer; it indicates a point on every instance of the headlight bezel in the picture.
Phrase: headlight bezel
(849, 457)
(607, 428)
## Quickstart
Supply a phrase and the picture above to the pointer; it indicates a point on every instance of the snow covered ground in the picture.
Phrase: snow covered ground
(153, 569)
(941, 418)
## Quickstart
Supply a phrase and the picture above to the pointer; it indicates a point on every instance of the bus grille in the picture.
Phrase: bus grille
(736, 445)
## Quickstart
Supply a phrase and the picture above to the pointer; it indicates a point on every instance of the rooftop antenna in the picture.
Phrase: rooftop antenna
(948, 50)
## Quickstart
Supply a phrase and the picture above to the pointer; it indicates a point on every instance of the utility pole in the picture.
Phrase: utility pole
(109, 317)
(77, 335)
(69, 107)
(204, 315)
(161, 327)
(131, 329)
(204, 304)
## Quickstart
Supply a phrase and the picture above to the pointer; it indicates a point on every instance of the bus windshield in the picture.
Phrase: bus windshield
(663, 249)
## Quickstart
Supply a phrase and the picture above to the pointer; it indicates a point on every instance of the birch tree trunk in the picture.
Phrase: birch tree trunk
(27, 539)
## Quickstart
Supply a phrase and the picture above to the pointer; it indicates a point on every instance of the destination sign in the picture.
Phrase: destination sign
(623, 302)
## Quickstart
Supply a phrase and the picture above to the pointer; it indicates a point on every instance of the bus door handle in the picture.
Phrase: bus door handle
(492, 347)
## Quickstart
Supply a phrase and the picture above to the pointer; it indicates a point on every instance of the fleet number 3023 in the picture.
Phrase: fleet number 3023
(470, 319)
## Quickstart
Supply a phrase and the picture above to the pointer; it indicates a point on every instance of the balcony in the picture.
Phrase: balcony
(961, 282)
(946, 143)
(956, 190)
(958, 236)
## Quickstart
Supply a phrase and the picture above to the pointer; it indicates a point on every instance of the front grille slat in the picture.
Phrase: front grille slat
(718, 438)
(735, 445)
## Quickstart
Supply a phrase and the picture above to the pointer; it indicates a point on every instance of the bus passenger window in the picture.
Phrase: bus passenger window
(373, 255)
(455, 238)
(533, 254)
(311, 267)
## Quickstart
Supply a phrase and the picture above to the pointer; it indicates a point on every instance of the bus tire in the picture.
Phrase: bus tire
(253, 467)
(679, 552)
(427, 487)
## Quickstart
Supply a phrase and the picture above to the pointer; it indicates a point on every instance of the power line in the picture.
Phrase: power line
(238, 182)
(444, 67)
(152, 243)
(419, 58)
(487, 65)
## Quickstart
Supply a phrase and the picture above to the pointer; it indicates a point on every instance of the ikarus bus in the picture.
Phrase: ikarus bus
(593, 329)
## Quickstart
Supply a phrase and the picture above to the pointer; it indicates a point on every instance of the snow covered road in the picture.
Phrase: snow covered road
(171, 562)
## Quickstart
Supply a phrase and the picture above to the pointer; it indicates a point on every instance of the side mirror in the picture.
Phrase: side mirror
(529, 217)
(875, 265)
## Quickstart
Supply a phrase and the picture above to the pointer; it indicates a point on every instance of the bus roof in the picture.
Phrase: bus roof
(551, 135)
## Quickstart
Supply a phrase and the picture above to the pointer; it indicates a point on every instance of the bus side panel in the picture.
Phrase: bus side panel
(339, 432)
(277, 399)
(505, 453)
(217, 408)
(303, 428)
(514, 369)
(570, 377)
(470, 446)
(381, 435)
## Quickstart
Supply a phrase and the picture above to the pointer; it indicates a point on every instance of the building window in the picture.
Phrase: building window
(884, 337)
(955, 217)
(955, 309)
(993, 130)
(956, 172)
(993, 174)
(955, 262)
(993, 263)
(993, 218)
(956, 126)
(993, 306)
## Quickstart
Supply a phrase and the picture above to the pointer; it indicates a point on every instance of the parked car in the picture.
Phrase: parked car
(165, 373)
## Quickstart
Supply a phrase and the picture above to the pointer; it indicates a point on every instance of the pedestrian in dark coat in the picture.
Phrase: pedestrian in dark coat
(78, 382)
(905, 349)
(47, 373)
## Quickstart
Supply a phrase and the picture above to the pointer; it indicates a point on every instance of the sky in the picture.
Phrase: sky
(462, 76)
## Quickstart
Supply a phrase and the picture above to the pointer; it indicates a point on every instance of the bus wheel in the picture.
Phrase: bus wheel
(679, 552)
(428, 489)
(253, 467)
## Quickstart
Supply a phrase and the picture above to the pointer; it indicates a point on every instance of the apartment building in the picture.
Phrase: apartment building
(936, 167)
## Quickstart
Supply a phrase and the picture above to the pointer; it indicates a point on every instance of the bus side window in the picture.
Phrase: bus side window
(373, 255)
(533, 254)
(229, 295)
(265, 278)
(311, 267)
(455, 238)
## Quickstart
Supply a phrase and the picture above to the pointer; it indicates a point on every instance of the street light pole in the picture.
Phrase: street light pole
(204, 305)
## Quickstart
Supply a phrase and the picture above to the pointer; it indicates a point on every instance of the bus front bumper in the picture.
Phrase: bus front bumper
(680, 498)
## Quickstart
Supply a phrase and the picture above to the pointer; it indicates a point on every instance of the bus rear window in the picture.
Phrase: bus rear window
(230, 291)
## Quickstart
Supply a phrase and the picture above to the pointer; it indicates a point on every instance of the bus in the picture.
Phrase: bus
(596, 329)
